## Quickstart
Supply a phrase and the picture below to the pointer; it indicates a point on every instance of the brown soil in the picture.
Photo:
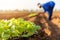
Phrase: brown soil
(50, 29)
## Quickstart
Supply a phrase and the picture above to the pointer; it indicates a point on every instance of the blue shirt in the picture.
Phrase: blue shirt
(48, 6)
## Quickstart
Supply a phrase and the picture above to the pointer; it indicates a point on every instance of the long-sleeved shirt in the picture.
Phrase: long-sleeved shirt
(48, 6)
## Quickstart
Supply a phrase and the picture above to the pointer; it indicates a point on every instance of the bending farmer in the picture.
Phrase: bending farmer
(48, 7)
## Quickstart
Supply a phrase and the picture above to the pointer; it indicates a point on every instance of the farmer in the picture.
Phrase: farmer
(48, 7)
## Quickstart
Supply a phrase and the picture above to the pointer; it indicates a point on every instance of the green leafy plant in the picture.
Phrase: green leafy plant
(17, 27)
(32, 15)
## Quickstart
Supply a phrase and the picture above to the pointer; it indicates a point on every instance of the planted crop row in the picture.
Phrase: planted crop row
(16, 27)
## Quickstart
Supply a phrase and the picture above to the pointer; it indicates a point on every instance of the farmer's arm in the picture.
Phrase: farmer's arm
(41, 11)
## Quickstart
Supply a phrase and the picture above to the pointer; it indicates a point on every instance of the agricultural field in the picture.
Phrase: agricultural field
(49, 30)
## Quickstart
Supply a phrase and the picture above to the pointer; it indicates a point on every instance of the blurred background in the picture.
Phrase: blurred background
(24, 4)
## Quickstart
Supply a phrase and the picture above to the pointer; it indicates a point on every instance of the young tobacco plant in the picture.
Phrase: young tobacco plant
(17, 27)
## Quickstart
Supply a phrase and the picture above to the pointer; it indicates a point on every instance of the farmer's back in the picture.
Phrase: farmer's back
(48, 6)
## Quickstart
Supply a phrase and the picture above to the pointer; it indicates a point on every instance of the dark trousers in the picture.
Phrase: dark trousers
(50, 15)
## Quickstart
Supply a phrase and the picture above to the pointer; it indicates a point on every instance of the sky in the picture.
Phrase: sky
(24, 4)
